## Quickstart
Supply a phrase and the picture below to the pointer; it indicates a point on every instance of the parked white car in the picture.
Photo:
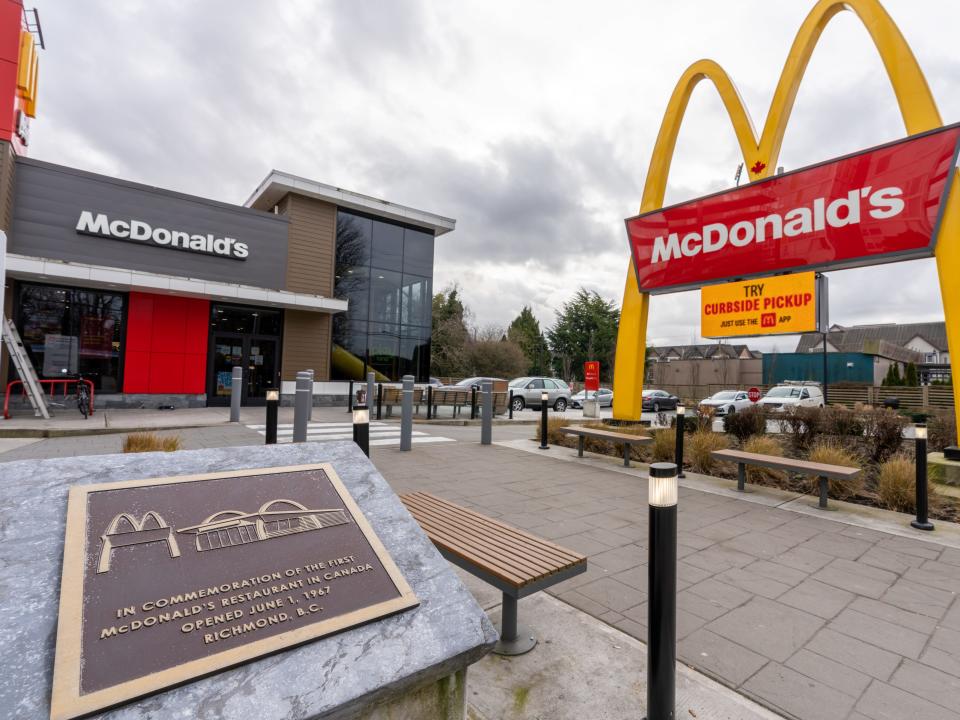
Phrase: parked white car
(604, 397)
(727, 402)
(789, 395)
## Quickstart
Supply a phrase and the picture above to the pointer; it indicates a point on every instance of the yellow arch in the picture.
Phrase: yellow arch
(919, 112)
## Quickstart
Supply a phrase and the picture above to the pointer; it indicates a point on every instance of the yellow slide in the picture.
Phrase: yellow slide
(350, 366)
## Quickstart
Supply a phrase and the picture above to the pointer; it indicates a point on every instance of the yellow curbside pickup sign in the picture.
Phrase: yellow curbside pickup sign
(778, 305)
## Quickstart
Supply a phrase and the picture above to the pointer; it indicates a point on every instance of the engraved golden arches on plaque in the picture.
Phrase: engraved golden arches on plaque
(228, 528)
(138, 534)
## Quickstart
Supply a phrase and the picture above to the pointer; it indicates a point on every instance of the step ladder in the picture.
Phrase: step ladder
(25, 369)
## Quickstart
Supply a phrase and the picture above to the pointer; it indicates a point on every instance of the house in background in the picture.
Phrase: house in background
(868, 351)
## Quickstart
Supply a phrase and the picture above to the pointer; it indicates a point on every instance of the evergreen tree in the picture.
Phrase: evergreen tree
(585, 329)
(525, 332)
(910, 376)
(448, 351)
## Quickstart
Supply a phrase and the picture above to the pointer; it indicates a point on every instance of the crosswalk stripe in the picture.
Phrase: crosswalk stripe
(318, 425)
(382, 441)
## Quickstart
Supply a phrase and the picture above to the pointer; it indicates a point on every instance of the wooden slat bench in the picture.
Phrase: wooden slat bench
(804, 467)
(625, 439)
(513, 561)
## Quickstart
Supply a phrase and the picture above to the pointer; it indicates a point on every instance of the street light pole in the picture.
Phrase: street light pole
(662, 588)
(922, 522)
(361, 428)
(273, 399)
(544, 399)
(681, 422)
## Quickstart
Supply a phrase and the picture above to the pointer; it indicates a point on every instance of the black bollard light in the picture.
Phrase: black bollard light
(544, 399)
(350, 398)
(473, 403)
(662, 592)
(678, 456)
(510, 404)
(379, 400)
(361, 428)
(273, 400)
(429, 402)
(922, 522)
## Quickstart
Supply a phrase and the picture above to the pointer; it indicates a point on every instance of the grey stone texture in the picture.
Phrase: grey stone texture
(346, 675)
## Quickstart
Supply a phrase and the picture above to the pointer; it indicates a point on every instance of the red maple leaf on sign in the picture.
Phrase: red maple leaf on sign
(758, 167)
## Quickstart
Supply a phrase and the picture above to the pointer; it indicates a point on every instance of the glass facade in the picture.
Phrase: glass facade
(385, 271)
(69, 330)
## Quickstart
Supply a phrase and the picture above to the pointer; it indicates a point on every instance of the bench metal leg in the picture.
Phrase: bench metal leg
(515, 639)
(741, 477)
(580, 440)
(824, 486)
(626, 454)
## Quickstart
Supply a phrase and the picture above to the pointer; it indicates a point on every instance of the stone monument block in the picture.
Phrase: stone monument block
(281, 581)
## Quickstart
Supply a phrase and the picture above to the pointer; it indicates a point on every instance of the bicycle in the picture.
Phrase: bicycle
(83, 393)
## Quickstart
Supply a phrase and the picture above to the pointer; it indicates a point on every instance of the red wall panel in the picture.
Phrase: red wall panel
(166, 344)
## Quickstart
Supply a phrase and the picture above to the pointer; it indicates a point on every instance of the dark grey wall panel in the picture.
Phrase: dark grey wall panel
(48, 200)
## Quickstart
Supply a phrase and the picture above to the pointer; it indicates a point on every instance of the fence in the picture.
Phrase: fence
(926, 396)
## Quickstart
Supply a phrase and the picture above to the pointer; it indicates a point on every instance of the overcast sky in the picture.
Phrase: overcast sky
(531, 123)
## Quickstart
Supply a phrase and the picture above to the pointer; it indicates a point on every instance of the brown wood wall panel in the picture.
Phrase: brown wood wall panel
(306, 344)
(312, 242)
(8, 167)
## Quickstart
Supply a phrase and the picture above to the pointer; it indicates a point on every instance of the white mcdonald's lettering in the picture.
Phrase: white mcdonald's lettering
(881, 204)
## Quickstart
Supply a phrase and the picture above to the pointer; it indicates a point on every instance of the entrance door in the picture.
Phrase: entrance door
(256, 354)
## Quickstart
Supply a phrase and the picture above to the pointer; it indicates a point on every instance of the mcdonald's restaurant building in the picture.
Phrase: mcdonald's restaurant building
(155, 295)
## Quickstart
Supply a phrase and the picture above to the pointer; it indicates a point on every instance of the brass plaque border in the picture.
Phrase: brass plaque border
(66, 702)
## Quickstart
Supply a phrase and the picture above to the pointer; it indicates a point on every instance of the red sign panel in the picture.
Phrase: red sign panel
(873, 207)
(591, 375)
(753, 394)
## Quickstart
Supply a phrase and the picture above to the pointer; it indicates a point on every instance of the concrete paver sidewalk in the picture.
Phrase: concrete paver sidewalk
(811, 617)
(814, 618)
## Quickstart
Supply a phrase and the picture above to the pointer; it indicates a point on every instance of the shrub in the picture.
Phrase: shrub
(700, 420)
(841, 421)
(830, 452)
(746, 424)
(802, 424)
(663, 447)
(554, 436)
(884, 431)
(151, 442)
(941, 430)
(763, 446)
(897, 484)
(700, 445)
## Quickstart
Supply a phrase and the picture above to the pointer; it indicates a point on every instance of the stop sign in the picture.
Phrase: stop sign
(754, 394)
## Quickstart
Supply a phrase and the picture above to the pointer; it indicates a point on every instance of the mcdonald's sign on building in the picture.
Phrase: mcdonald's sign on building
(894, 202)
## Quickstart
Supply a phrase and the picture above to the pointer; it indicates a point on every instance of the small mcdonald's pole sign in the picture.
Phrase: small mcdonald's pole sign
(779, 305)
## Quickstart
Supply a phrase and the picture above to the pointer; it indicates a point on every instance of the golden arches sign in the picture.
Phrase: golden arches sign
(760, 155)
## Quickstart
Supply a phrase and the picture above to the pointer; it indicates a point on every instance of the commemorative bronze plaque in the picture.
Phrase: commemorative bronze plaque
(169, 579)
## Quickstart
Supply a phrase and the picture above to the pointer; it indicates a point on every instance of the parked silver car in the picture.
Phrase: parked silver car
(527, 391)
(603, 395)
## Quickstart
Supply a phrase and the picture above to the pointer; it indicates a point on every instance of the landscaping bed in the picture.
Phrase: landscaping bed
(866, 437)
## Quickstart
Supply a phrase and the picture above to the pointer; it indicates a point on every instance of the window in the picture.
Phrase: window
(387, 246)
(417, 252)
(245, 320)
(535, 385)
(70, 330)
(549, 385)
(385, 272)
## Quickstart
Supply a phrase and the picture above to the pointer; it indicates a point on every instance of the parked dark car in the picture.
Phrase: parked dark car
(471, 382)
(657, 400)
